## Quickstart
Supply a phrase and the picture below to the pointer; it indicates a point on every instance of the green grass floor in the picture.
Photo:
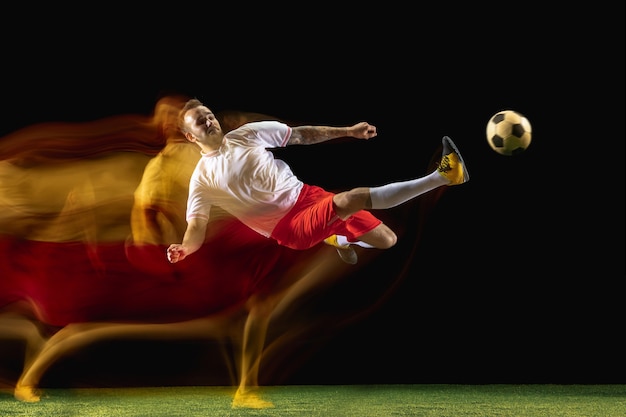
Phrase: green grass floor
(330, 400)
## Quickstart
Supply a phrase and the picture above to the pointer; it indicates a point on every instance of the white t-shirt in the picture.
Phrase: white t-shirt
(243, 178)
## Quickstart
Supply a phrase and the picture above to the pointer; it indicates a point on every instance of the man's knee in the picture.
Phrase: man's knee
(389, 239)
(382, 237)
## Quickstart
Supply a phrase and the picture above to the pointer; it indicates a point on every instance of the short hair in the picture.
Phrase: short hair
(190, 104)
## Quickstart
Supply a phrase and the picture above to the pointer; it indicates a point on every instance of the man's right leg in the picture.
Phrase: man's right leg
(451, 171)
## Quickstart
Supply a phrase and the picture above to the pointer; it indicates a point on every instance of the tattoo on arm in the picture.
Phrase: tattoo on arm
(308, 135)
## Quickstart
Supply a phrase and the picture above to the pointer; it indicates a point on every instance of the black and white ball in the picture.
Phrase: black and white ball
(509, 132)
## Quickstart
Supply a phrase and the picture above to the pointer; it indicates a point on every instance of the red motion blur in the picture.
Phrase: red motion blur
(75, 282)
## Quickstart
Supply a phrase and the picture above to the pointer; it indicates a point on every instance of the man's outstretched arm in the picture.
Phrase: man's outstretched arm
(308, 135)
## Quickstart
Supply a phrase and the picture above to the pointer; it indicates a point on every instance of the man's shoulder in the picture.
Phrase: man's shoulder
(264, 124)
(265, 133)
(259, 127)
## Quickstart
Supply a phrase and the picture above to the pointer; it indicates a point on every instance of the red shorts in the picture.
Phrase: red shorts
(313, 219)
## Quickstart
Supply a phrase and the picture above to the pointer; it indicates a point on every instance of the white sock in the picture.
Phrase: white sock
(342, 240)
(396, 193)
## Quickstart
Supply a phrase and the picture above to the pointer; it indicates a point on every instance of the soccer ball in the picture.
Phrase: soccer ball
(509, 132)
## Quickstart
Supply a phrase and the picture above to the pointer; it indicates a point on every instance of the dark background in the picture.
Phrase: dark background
(519, 273)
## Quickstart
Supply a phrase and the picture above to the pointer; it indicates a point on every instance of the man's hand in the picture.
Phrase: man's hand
(176, 252)
(362, 130)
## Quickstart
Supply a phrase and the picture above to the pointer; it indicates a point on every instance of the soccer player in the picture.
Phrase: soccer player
(238, 172)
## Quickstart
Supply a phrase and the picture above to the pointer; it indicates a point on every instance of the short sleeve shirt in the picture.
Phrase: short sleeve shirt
(245, 179)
